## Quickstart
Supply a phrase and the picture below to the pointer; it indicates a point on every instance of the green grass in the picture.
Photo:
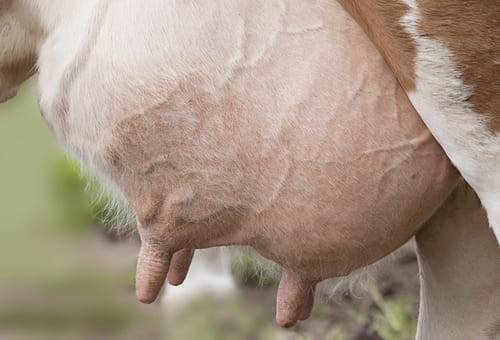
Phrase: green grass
(249, 271)
(235, 320)
(29, 208)
(394, 320)
(51, 284)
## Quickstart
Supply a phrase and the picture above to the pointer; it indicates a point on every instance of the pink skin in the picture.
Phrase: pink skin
(377, 175)
(179, 266)
(312, 155)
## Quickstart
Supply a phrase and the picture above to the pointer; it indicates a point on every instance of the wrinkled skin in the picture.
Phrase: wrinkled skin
(303, 146)
(318, 213)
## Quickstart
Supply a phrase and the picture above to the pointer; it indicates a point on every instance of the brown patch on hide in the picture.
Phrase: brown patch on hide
(16, 72)
(471, 31)
(4, 4)
(18, 51)
(381, 20)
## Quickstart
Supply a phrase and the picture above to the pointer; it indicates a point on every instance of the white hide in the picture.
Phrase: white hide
(441, 100)
(459, 263)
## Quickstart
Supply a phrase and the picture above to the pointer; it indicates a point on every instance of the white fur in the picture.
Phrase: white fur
(441, 100)
(459, 273)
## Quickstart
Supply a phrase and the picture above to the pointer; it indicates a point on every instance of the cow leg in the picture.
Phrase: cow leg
(459, 272)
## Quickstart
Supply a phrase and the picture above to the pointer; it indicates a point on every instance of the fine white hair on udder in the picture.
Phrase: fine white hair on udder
(357, 284)
(114, 210)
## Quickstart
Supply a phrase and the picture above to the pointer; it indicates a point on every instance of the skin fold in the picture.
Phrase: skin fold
(322, 176)
(285, 132)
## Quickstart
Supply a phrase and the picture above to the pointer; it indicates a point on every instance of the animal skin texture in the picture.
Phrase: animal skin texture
(446, 55)
(272, 124)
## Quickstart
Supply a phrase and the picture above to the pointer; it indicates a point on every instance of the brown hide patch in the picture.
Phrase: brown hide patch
(14, 73)
(471, 31)
(4, 4)
(18, 57)
(381, 20)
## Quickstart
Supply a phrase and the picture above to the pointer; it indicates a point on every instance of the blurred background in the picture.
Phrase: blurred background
(65, 275)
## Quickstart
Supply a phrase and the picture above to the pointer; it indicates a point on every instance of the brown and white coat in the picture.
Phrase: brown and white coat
(217, 122)
(446, 55)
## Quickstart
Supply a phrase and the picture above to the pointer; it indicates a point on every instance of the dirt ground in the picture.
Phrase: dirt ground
(97, 302)
(378, 303)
